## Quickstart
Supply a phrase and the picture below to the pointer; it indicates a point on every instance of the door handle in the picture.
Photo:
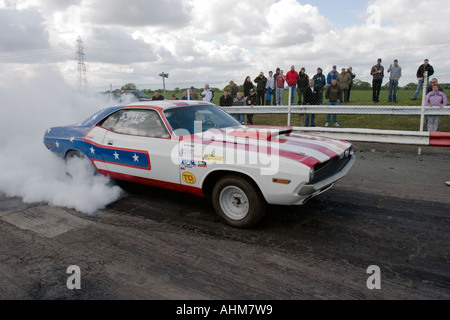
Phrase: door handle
(110, 143)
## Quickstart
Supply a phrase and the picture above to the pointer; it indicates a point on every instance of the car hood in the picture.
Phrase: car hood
(308, 149)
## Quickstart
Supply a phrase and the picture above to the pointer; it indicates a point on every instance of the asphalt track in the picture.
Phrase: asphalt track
(391, 211)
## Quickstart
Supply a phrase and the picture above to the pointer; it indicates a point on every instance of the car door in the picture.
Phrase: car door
(137, 147)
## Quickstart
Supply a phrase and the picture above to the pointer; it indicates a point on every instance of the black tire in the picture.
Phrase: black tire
(78, 155)
(238, 202)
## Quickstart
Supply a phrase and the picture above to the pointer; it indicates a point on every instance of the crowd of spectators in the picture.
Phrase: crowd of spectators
(335, 86)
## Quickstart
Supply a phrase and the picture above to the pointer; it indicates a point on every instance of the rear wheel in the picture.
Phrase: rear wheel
(77, 163)
(238, 201)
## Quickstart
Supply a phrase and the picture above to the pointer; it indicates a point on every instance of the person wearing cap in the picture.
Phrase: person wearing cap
(377, 73)
(353, 76)
(332, 74)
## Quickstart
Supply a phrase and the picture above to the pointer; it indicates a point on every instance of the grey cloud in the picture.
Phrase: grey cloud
(22, 31)
(58, 5)
(116, 46)
(166, 13)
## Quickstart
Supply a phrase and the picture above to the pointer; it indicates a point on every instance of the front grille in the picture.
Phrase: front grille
(329, 168)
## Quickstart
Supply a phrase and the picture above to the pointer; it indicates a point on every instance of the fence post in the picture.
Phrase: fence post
(424, 94)
(289, 106)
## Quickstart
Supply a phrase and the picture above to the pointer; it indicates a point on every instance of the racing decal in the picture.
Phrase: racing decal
(127, 158)
(188, 163)
(189, 178)
(210, 157)
(114, 155)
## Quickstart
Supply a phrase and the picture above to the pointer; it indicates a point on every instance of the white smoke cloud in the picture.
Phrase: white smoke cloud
(30, 104)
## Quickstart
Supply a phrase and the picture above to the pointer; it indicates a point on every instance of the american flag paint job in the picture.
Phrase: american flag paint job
(162, 161)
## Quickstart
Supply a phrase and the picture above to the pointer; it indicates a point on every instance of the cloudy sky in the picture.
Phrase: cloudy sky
(215, 41)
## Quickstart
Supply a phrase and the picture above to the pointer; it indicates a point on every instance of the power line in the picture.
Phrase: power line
(82, 76)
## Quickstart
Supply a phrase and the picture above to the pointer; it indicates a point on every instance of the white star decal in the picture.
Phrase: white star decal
(92, 150)
(71, 139)
(57, 144)
(136, 158)
(116, 155)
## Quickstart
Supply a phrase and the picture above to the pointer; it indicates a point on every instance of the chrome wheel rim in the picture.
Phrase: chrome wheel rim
(234, 203)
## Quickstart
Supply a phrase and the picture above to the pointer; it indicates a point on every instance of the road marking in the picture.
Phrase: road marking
(45, 221)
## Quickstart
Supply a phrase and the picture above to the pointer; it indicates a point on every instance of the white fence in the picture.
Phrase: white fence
(418, 138)
(344, 109)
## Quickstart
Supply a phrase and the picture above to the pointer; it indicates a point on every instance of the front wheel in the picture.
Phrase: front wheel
(238, 202)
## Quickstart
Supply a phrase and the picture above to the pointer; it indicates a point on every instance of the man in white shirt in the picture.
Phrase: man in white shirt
(207, 94)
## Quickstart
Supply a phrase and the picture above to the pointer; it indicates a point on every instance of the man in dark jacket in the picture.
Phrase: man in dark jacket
(261, 82)
(158, 96)
(332, 94)
(225, 100)
(274, 96)
(319, 83)
(302, 85)
(311, 98)
(251, 101)
(420, 76)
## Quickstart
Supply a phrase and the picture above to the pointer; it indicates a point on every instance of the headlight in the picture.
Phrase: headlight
(352, 151)
(311, 174)
(347, 152)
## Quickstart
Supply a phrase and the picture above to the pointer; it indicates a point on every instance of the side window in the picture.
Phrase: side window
(146, 123)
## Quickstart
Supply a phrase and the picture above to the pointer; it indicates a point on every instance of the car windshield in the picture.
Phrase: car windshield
(139, 94)
(199, 118)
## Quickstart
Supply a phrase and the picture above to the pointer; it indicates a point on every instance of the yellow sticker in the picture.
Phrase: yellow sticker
(189, 178)
(210, 157)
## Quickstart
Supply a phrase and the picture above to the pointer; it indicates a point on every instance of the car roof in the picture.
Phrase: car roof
(166, 104)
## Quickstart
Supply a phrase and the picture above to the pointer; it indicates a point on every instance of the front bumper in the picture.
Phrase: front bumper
(305, 192)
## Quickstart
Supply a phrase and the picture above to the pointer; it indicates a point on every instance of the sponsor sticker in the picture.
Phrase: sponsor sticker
(189, 163)
(189, 178)
(210, 157)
